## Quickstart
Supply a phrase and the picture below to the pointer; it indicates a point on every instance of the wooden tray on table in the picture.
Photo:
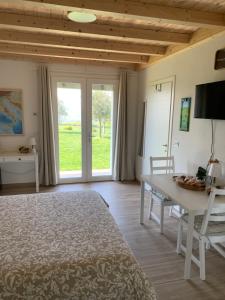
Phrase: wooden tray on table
(190, 183)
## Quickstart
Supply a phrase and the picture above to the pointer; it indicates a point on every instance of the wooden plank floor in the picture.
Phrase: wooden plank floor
(155, 252)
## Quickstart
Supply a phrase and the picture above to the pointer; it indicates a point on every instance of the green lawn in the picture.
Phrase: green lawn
(70, 147)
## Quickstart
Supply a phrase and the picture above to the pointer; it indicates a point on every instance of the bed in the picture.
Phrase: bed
(65, 246)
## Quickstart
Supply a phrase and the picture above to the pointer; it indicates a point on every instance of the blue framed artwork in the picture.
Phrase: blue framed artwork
(185, 114)
(11, 112)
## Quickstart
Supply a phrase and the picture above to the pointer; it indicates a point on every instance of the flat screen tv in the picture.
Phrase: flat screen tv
(210, 101)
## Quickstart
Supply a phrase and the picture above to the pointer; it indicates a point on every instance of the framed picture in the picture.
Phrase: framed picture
(11, 112)
(185, 114)
(220, 59)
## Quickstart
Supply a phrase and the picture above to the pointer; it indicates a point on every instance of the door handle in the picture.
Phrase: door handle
(165, 145)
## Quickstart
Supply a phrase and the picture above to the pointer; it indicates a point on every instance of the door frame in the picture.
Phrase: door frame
(172, 80)
(81, 81)
(86, 123)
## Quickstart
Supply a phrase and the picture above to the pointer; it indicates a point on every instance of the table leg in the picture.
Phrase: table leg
(36, 173)
(189, 244)
(142, 202)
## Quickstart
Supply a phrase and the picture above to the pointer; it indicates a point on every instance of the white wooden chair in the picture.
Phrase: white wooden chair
(209, 229)
(162, 165)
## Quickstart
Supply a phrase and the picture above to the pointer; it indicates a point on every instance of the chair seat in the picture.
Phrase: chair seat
(214, 228)
(160, 196)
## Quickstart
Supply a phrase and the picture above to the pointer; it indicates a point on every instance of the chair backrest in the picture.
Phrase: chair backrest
(162, 164)
(216, 209)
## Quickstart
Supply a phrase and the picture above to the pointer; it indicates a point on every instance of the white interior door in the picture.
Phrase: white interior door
(158, 123)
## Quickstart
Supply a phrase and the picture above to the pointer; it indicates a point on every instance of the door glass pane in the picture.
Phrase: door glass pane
(102, 114)
(69, 129)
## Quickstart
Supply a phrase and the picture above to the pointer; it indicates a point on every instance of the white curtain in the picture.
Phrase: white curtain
(120, 167)
(48, 175)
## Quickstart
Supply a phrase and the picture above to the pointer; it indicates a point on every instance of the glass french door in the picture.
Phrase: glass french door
(101, 128)
(85, 118)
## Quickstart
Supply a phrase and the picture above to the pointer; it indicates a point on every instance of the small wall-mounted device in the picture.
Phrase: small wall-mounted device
(158, 87)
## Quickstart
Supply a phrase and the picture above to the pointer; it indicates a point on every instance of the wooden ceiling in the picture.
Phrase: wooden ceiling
(127, 33)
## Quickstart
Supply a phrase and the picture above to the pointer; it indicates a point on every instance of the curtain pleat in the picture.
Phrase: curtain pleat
(120, 169)
(142, 121)
(48, 175)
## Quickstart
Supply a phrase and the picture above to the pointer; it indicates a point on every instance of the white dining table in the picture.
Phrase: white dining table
(194, 202)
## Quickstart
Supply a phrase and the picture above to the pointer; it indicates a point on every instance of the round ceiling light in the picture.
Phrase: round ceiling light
(81, 17)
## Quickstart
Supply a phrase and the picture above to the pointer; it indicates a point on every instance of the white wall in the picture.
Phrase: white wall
(194, 66)
(23, 75)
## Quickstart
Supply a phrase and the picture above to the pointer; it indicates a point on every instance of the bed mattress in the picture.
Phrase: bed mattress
(65, 246)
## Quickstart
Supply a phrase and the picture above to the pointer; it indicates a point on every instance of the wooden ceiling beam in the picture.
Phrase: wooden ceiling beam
(140, 9)
(71, 53)
(200, 36)
(79, 43)
(60, 60)
(93, 30)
